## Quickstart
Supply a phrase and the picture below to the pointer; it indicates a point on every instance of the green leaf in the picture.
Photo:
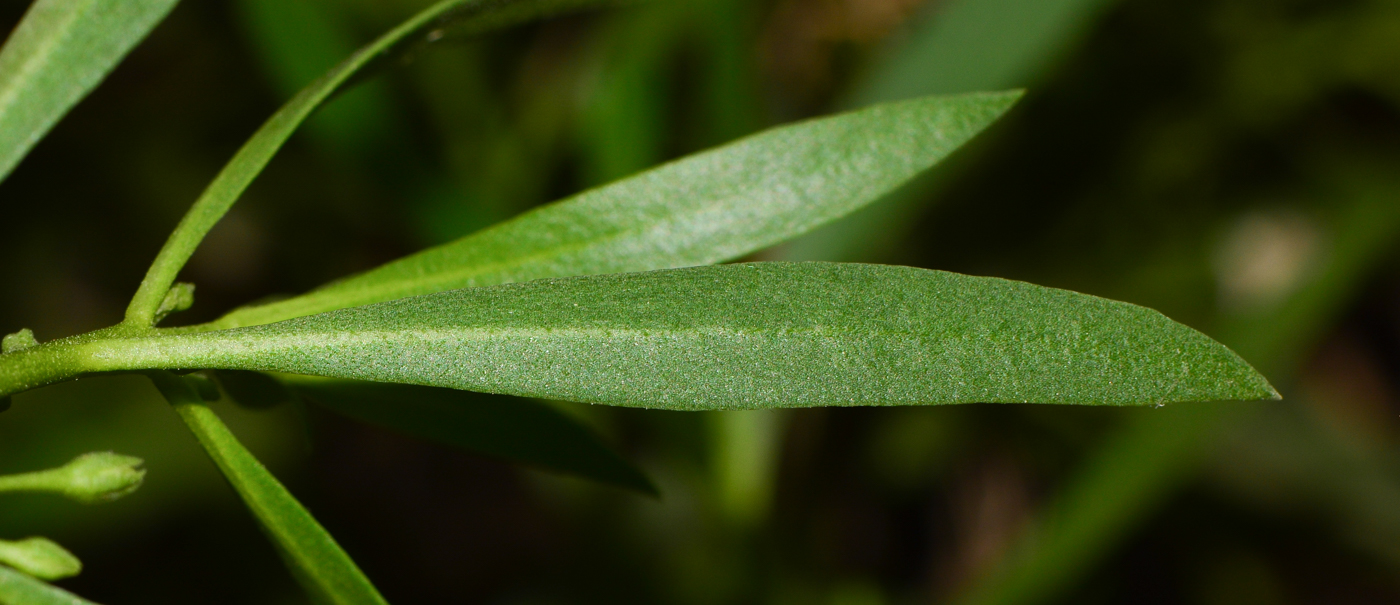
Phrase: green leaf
(60, 51)
(1140, 466)
(19, 589)
(951, 47)
(759, 335)
(513, 429)
(319, 564)
(460, 17)
(967, 45)
(710, 207)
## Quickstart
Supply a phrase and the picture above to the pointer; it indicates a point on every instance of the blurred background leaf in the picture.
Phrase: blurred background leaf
(508, 428)
(56, 56)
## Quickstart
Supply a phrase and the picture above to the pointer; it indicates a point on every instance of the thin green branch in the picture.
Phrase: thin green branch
(312, 555)
(464, 16)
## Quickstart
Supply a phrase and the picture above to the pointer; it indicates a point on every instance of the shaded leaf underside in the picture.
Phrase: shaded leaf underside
(514, 429)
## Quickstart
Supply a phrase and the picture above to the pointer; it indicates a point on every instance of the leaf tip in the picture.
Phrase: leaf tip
(1268, 392)
(1247, 382)
(1005, 99)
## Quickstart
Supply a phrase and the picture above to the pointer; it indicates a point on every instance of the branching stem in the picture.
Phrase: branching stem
(468, 16)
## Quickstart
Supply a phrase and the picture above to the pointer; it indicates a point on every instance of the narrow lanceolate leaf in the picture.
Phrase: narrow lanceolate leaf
(509, 428)
(711, 207)
(460, 17)
(19, 589)
(60, 51)
(317, 562)
(759, 335)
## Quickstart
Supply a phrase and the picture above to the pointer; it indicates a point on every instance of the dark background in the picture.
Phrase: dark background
(1232, 163)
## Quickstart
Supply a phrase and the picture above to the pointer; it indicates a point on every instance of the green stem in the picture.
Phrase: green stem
(37, 481)
(475, 16)
(318, 563)
(41, 365)
(226, 188)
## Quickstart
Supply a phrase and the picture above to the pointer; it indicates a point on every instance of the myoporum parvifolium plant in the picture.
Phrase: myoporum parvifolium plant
(611, 297)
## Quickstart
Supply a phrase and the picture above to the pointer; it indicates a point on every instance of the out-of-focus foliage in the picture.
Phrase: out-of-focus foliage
(1229, 162)
(57, 54)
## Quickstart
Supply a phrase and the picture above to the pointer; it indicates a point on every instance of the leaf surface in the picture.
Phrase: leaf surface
(60, 51)
(710, 207)
(760, 335)
(312, 555)
(513, 429)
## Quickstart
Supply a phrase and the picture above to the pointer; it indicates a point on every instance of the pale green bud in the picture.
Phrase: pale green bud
(89, 478)
(40, 557)
(178, 298)
(18, 341)
(100, 476)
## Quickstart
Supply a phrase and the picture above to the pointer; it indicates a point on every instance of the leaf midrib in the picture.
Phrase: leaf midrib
(174, 350)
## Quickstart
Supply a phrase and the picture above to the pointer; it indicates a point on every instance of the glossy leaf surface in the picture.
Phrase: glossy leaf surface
(759, 335)
(19, 589)
(60, 51)
(510, 428)
(319, 564)
(707, 208)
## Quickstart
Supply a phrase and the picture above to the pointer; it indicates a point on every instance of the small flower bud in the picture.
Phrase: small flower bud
(40, 557)
(18, 341)
(178, 298)
(100, 477)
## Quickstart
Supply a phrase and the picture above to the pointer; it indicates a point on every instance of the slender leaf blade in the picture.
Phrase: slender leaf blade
(318, 563)
(760, 335)
(966, 45)
(60, 51)
(710, 207)
(461, 17)
(514, 429)
(1134, 470)
(19, 589)
(954, 46)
